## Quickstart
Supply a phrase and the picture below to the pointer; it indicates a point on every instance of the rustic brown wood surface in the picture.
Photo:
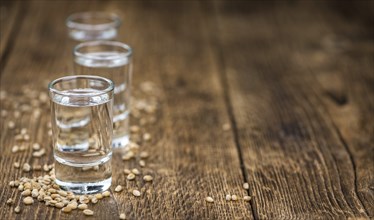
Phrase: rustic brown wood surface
(10, 16)
(296, 90)
(293, 79)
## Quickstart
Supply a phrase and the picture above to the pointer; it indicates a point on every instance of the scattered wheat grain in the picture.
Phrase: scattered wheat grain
(36, 146)
(136, 193)
(66, 209)
(226, 127)
(82, 206)
(26, 167)
(118, 188)
(28, 200)
(209, 199)
(10, 201)
(144, 154)
(88, 212)
(135, 171)
(228, 197)
(17, 209)
(131, 176)
(122, 216)
(148, 178)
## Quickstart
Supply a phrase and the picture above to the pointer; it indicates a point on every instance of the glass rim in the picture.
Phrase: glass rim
(127, 54)
(71, 23)
(108, 89)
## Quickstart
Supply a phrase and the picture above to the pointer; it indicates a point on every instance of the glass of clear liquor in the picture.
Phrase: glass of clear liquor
(89, 26)
(112, 60)
(82, 128)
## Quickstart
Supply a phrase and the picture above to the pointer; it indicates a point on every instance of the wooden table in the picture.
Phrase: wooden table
(277, 94)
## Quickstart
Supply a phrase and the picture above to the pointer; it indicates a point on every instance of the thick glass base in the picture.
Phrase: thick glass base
(120, 142)
(86, 188)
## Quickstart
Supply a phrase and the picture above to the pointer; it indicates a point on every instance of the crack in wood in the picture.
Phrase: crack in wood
(342, 140)
(217, 45)
(346, 147)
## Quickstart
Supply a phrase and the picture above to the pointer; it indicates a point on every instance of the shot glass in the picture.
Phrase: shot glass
(111, 60)
(82, 128)
(89, 26)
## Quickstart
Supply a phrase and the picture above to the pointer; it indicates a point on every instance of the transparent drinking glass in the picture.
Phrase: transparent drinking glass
(112, 60)
(82, 128)
(89, 26)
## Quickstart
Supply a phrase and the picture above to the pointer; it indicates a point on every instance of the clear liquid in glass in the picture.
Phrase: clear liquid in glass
(82, 132)
(117, 67)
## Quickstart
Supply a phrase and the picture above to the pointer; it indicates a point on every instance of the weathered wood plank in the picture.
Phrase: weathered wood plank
(346, 80)
(37, 57)
(10, 18)
(305, 155)
(191, 156)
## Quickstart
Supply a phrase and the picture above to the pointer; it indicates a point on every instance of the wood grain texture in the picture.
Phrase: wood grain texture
(10, 19)
(191, 156)
(36, 58)
(293, 78)
(300, 82)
